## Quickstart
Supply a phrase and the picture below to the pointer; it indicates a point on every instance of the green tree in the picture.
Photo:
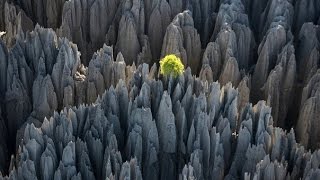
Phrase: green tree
(171, 64)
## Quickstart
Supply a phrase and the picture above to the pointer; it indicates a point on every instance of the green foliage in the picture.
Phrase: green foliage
(171, 64)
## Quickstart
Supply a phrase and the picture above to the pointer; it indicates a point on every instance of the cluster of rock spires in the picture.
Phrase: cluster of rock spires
(81, 96)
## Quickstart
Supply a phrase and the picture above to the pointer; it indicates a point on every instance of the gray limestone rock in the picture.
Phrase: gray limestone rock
(63, 71)
(212, 57)
(86, 23)
(244, 140)
(2, 19)
(15, 22)
(182, 39)
(46, 13)
(166, 125)
(230, 73)
(308, 113)
(302, 16)
(99, 109)
(130, 170)
(270, 170)
(279, 85)
(44, 97)
(17, 97)
(244, 93)
(276, 12)
(206, 73)
(156, 30)
(3, 146)
(269, 48)
(307, 52)
(233, 34)
(3, 70)
(128, 40)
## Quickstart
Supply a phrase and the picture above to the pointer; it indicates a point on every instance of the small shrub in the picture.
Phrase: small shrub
(171, 64)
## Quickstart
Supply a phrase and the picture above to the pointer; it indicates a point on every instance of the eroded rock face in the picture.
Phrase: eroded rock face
(46, 13)
(182, 39)
(86, 23)
(15, 22)
(193, 133)
(308, 114)
(85, 99)
(3, 147)
(157, 20)
(303, 16)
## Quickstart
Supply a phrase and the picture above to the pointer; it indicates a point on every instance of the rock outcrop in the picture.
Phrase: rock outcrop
(86, 100)
(86, 23)
(193, 133)
(46, 13)
(307, 121)
(182, 39)
(15, 22)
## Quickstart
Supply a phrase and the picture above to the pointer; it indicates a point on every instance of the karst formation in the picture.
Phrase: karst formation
(82, 96)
